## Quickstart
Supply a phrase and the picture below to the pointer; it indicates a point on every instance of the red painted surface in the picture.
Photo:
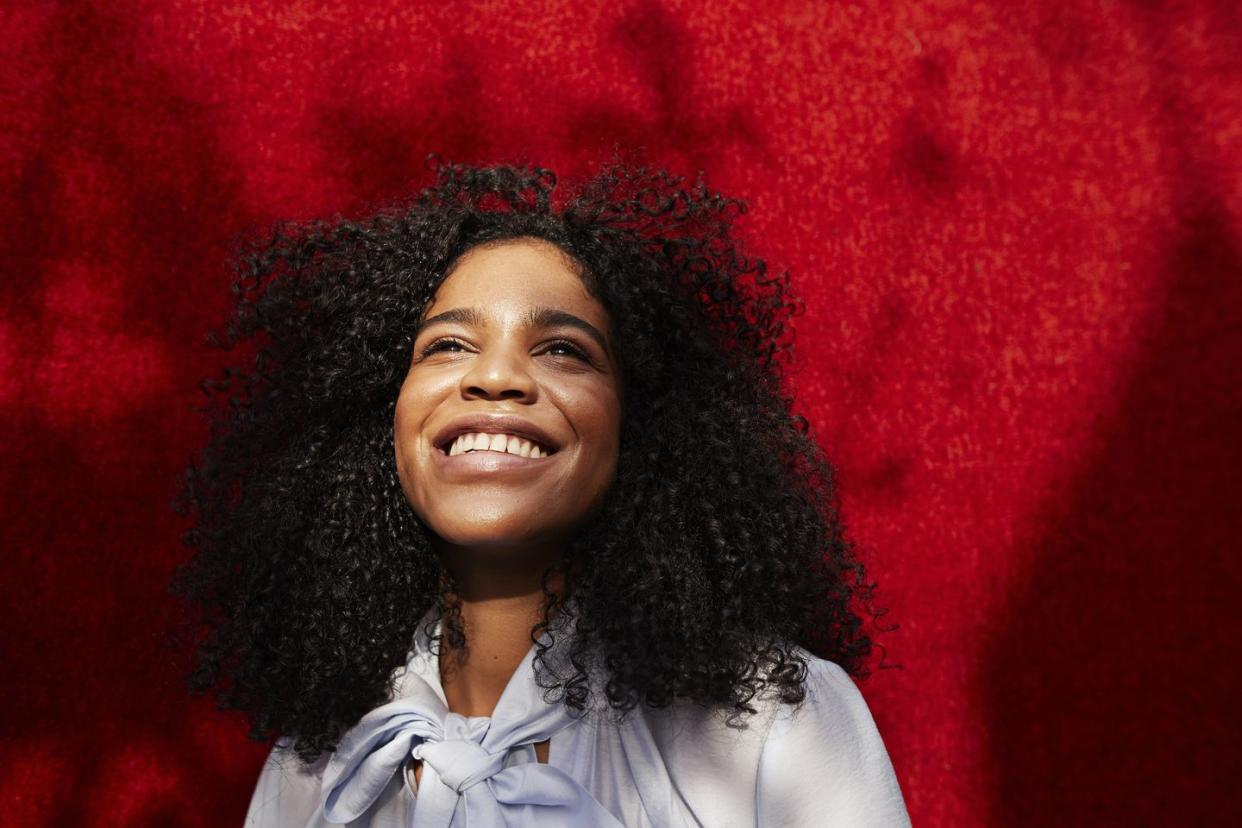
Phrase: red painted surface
(1018, 231)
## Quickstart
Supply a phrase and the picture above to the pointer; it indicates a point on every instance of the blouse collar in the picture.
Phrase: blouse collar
(477, 768)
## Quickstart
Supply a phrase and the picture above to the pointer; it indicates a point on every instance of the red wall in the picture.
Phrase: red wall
(1018, 230)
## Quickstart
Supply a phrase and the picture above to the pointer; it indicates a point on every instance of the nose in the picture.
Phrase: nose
(499, 373)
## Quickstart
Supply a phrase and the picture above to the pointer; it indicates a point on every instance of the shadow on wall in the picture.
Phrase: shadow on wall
(1109, 692)
(115, 209)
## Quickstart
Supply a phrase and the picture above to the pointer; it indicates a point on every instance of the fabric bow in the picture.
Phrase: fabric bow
(464, 778)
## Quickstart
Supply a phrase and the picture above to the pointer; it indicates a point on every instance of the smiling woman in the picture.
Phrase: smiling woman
(510, 523)
(506, 357)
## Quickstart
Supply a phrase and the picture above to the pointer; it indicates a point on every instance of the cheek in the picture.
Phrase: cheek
(605, 417)
(399, 452)
(405, 432)
(603, 468)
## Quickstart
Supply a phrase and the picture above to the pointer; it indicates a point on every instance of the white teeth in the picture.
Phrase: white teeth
(505, 443)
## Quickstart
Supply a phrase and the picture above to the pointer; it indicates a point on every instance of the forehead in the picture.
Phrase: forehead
(516, 272)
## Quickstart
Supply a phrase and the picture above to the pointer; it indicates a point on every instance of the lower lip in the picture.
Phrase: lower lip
(486, 462)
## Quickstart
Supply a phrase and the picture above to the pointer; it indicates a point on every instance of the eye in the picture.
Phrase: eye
(566, 345)
(447, 343)
(441, 345)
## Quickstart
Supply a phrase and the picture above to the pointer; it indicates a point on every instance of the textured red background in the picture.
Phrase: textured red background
(1018, 230)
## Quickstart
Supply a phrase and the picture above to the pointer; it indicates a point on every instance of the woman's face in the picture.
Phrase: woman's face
(513, 347)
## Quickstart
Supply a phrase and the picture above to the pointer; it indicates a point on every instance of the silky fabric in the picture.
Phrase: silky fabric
(819, 763)
(465, 780)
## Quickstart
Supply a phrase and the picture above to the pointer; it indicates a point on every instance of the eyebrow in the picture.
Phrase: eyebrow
(536, 318)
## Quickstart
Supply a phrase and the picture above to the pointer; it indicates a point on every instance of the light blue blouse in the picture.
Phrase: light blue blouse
(820, 764)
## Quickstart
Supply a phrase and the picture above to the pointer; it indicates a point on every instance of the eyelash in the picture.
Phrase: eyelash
(434, 347)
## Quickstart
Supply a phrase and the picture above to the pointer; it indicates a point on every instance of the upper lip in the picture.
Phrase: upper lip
(492, 424)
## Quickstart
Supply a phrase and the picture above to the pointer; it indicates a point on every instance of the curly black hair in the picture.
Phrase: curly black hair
(719, 545)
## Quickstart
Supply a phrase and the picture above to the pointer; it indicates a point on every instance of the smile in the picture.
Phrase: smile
(468, 456)
(499, 443)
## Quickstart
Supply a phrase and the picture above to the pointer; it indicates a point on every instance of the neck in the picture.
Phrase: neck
(501, 600)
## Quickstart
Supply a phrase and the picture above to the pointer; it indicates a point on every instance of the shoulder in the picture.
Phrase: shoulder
(287, 791)
(823, 761)
(833, 703)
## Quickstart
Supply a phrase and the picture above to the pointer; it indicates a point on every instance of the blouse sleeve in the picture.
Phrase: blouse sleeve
(287, 793)
(824, 762)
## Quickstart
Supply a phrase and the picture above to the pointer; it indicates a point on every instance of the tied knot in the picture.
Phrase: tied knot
(461, 752)
(460, 763)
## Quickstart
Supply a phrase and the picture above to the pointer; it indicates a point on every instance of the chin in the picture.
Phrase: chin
(498, 534)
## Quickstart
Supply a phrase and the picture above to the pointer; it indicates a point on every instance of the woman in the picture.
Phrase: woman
(511, 523)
